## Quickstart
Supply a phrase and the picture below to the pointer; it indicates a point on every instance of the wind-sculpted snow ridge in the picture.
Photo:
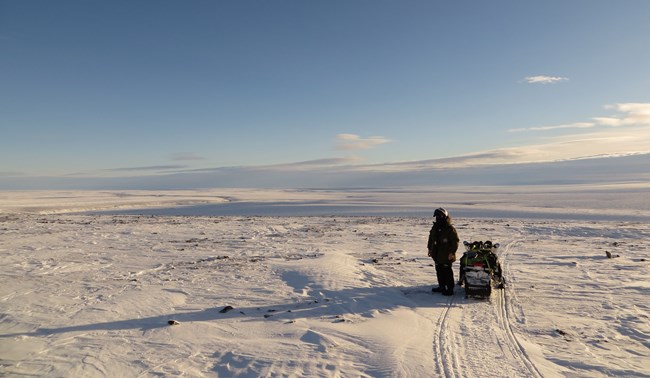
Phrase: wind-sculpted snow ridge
(102, 295)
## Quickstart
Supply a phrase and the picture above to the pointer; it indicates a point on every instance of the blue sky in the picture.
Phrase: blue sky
(93, 90)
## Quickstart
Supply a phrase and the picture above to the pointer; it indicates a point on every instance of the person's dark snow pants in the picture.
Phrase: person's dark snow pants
(445, 278)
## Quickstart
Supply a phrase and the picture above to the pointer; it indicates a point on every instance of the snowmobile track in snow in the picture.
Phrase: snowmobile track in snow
(443, 347)
(449, 363)
(505, 323)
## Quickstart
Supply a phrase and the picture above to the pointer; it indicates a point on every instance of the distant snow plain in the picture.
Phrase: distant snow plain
(328, 283)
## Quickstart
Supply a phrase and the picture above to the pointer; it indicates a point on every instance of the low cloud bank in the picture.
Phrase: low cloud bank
(632, 168)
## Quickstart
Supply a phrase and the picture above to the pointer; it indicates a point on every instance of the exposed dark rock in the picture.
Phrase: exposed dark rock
(226, 309)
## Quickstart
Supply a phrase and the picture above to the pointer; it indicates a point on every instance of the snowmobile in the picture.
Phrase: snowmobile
(480, 270)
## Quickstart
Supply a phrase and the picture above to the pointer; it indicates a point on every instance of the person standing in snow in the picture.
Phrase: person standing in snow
(442, 245)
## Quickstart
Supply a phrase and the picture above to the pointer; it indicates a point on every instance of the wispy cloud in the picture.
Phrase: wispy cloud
(349, 142)
(575, 125)
(543, 79)
(603, 143)
(147, 168)
(634, 114)
(130, 171)
(309, 164)
(328, 162)
(294, 166)
(493, 157)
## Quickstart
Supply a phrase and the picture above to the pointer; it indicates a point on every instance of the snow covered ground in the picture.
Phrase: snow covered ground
(87, 295)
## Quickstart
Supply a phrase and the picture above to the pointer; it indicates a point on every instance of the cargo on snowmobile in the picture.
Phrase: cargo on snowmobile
(480, 270)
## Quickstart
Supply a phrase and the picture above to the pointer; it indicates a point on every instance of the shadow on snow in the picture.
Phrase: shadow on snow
(337, 306)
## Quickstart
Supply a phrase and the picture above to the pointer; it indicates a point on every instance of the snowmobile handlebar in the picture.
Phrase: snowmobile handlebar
(480, 245)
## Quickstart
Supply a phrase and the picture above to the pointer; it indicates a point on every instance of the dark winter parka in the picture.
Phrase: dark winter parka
(443, 240)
